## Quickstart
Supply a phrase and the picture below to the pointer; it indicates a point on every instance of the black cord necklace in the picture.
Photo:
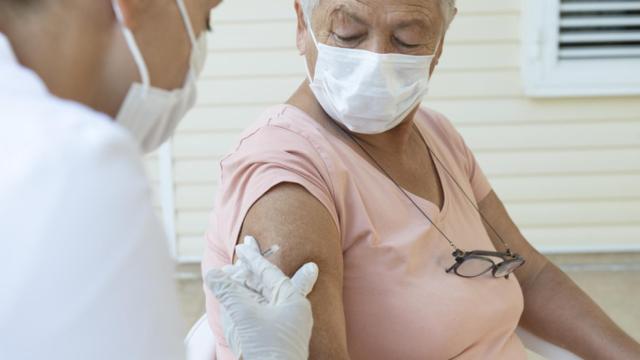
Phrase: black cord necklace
(433, 155)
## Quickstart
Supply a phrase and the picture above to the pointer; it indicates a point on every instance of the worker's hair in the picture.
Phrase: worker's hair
(448, 7)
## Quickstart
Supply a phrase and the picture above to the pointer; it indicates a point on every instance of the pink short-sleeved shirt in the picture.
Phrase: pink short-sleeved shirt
(399, 303)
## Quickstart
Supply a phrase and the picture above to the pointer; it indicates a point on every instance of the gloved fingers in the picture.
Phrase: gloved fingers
(248, 279)
(267, 272)
(238, 270)
(305, 278)
(230, 293)
(300, 285)
(250, 248)
(230, 329)
(269, 279)
(251, 243)
(242, 274)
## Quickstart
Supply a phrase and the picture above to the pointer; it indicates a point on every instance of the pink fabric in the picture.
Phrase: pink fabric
(399, 302)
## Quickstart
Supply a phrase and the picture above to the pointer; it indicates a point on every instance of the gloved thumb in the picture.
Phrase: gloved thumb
(305, 278)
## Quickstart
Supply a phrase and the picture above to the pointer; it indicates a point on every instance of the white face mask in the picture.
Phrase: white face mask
(150, 113)
(367, 92)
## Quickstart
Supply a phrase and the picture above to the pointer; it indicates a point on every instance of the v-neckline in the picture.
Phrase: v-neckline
(440, 211)
(437, 212)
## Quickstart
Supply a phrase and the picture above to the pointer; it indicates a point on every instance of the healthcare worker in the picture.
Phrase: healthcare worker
(84, 269)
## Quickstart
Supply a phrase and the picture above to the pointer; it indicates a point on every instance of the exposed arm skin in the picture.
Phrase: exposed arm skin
(556, 309)
(288, 215)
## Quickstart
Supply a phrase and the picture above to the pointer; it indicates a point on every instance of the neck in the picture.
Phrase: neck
(62, 44)
(394, 141)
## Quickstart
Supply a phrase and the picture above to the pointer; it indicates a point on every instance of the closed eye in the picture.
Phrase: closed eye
(406, 45)
(348, 39)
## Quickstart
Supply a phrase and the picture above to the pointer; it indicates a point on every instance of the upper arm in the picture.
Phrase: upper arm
(288, 215)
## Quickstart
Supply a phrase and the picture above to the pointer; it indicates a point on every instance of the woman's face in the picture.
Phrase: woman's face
(411, 27)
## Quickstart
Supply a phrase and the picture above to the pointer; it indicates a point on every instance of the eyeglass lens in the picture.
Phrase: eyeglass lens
(474, 266)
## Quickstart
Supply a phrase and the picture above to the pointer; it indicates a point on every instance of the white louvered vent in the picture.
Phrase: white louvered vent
(581, 48)
(599, 29)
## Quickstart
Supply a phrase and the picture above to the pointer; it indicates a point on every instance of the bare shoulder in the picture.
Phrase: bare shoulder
(289, 216)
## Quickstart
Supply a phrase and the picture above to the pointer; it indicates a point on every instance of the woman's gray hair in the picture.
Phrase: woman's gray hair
(448, 7)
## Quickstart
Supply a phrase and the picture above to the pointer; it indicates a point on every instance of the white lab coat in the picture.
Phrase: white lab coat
(84, 266)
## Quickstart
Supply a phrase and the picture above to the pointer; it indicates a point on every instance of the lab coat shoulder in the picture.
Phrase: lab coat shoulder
(79, 161)
(94, 279)
(127, 247)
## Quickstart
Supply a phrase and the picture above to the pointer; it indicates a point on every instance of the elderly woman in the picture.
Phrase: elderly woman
(414, 248)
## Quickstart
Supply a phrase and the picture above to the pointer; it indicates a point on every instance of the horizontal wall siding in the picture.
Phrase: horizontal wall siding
(567, 169)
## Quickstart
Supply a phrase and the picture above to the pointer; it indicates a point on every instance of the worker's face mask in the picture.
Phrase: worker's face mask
(367, 92)
(150, 113)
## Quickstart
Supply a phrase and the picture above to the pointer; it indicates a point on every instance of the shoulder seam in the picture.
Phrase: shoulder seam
(268, 125)
(317, 151)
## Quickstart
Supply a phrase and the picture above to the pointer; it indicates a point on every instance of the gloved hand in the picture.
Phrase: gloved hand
(265, 315)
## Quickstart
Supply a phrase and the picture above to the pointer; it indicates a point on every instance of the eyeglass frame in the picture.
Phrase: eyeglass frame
(507, 258)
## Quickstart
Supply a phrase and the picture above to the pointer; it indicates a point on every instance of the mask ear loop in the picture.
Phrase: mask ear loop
(315, 42)
(433, 56)
(133, 47)
(190, 32)
(187, 22)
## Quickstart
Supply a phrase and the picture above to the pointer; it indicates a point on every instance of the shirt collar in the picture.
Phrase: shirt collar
(15, 77)
(6, 52)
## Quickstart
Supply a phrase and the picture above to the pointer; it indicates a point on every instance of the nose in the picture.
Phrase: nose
(379, 44)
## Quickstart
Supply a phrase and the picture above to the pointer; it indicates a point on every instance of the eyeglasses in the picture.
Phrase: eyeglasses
(476, 263)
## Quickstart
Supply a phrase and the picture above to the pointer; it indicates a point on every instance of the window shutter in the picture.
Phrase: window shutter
(582, 47)
(599, 30)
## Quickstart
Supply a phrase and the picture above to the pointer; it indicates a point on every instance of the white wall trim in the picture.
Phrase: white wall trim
(588, 248)
(189, 260)
(167, 196)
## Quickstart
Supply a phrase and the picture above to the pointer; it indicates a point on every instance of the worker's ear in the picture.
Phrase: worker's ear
(301, 33)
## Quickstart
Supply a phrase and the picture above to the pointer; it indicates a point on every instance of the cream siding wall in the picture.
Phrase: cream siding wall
(568, 169)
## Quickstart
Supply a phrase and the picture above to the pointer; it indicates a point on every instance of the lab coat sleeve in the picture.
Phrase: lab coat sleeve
(93, 276)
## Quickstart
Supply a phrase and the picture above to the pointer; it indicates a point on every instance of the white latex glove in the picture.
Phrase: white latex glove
(265, 315)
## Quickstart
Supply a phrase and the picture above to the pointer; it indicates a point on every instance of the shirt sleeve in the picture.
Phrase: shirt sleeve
(93, 277)
(269, 156)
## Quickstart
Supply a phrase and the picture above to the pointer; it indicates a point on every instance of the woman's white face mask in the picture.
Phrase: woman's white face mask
(150, 113)
(367, 92)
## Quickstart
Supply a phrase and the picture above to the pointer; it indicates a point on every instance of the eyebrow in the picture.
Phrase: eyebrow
(413, 22)
(344, 10)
